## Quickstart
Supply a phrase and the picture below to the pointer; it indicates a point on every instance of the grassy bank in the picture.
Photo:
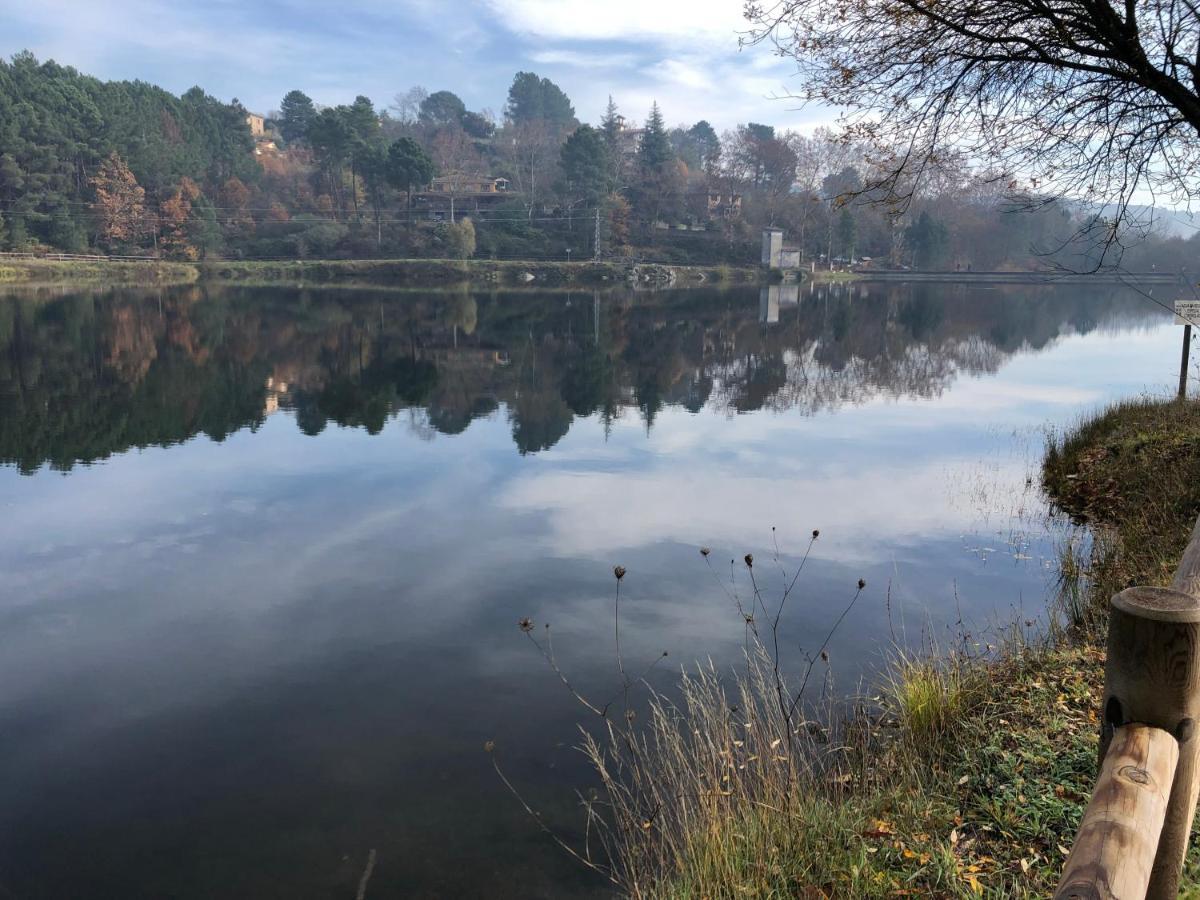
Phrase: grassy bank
(968, 772)
(1133, 475)
(822, 276)
(43, 271)
(406, 272)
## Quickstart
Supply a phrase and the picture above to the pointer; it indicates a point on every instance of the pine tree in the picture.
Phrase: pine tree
(532, 99)
(654, 149)
(296, 112)
(658, 171)
(584, 163)
(610, 125)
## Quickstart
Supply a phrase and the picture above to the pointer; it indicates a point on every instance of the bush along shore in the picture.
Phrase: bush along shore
(408, 272)
(965, 774)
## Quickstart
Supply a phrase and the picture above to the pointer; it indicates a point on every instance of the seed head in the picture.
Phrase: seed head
(526, 625)
(824, 656)
(749, 560)
(816, 533)
(861, 583)
(489, 746)
(704, 551)
(619, 571)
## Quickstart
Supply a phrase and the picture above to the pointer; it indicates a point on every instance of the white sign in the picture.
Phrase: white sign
(1187, 312)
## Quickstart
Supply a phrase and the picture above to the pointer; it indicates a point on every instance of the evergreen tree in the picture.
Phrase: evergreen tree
(659, 173)
(531, 98)
(708, 145)
(926, 239)
(296, 112)
(584, 161)
(442, 108)
(654, 149)
(408, 166)
(610, 125)
(361, 119)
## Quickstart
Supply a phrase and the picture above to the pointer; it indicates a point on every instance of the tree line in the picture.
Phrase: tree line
(126, 167)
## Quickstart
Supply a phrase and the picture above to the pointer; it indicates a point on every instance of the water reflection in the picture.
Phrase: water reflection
(232, 667)
(87, 374)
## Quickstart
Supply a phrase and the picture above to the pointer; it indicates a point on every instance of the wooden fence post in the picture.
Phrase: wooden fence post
(1119, 834)
(1152, 677)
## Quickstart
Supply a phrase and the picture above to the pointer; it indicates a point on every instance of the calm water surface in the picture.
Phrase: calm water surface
(263, 551)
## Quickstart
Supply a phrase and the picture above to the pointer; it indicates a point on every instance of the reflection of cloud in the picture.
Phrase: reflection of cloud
(861, 512)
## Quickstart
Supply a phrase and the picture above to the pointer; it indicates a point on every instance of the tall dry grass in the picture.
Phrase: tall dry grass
(738, 784)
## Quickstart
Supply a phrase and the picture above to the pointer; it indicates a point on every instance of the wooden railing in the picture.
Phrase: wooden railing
(1134, 832)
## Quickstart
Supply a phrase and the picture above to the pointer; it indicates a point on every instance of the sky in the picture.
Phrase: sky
(684, 54)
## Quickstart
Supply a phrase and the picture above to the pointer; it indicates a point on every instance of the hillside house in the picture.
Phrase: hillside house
(724, 205)
(463, 194)
(464, 185)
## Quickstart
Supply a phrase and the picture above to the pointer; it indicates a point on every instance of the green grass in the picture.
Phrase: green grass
(970, 781)
(1132, 473)
(41, 271)
(824, 275)
(928, 695)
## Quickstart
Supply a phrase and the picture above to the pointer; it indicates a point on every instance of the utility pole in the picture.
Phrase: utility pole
(596, 239)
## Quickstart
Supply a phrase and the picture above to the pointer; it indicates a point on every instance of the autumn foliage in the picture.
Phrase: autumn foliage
(120, 203)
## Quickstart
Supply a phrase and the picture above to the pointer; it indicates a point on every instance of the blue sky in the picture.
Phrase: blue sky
(682, 53)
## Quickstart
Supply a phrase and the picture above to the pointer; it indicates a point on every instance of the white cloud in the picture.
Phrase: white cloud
(686, 74)
(713, 21)
(583, 59)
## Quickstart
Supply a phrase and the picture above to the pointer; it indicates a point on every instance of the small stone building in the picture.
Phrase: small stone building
(776, 254)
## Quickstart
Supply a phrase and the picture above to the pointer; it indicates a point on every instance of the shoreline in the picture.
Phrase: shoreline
(383, 272)
(969, 773)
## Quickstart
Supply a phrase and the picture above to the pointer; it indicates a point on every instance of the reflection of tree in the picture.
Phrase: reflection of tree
(540, 419)
(586, 381)
(77, 385)
(454, 420)
(370, 398)
(88, 374)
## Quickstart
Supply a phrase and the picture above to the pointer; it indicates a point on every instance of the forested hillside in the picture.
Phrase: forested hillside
(128, 168)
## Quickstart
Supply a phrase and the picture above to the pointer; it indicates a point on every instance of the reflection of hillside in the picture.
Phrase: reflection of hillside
(87, 374)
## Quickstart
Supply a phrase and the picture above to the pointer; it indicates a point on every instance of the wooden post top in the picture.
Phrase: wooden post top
(1158, 604)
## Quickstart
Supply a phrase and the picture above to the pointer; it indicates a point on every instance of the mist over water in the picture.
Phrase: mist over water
(264, 550)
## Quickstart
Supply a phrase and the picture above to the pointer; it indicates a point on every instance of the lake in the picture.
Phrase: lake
(265, 550)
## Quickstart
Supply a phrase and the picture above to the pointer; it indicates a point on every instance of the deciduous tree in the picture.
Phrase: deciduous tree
(1092, 100)
(119, 206)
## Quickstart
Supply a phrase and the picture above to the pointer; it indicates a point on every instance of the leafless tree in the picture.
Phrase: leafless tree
(1092, 100)
(457, 161)
(531, 150)
(407, 106)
